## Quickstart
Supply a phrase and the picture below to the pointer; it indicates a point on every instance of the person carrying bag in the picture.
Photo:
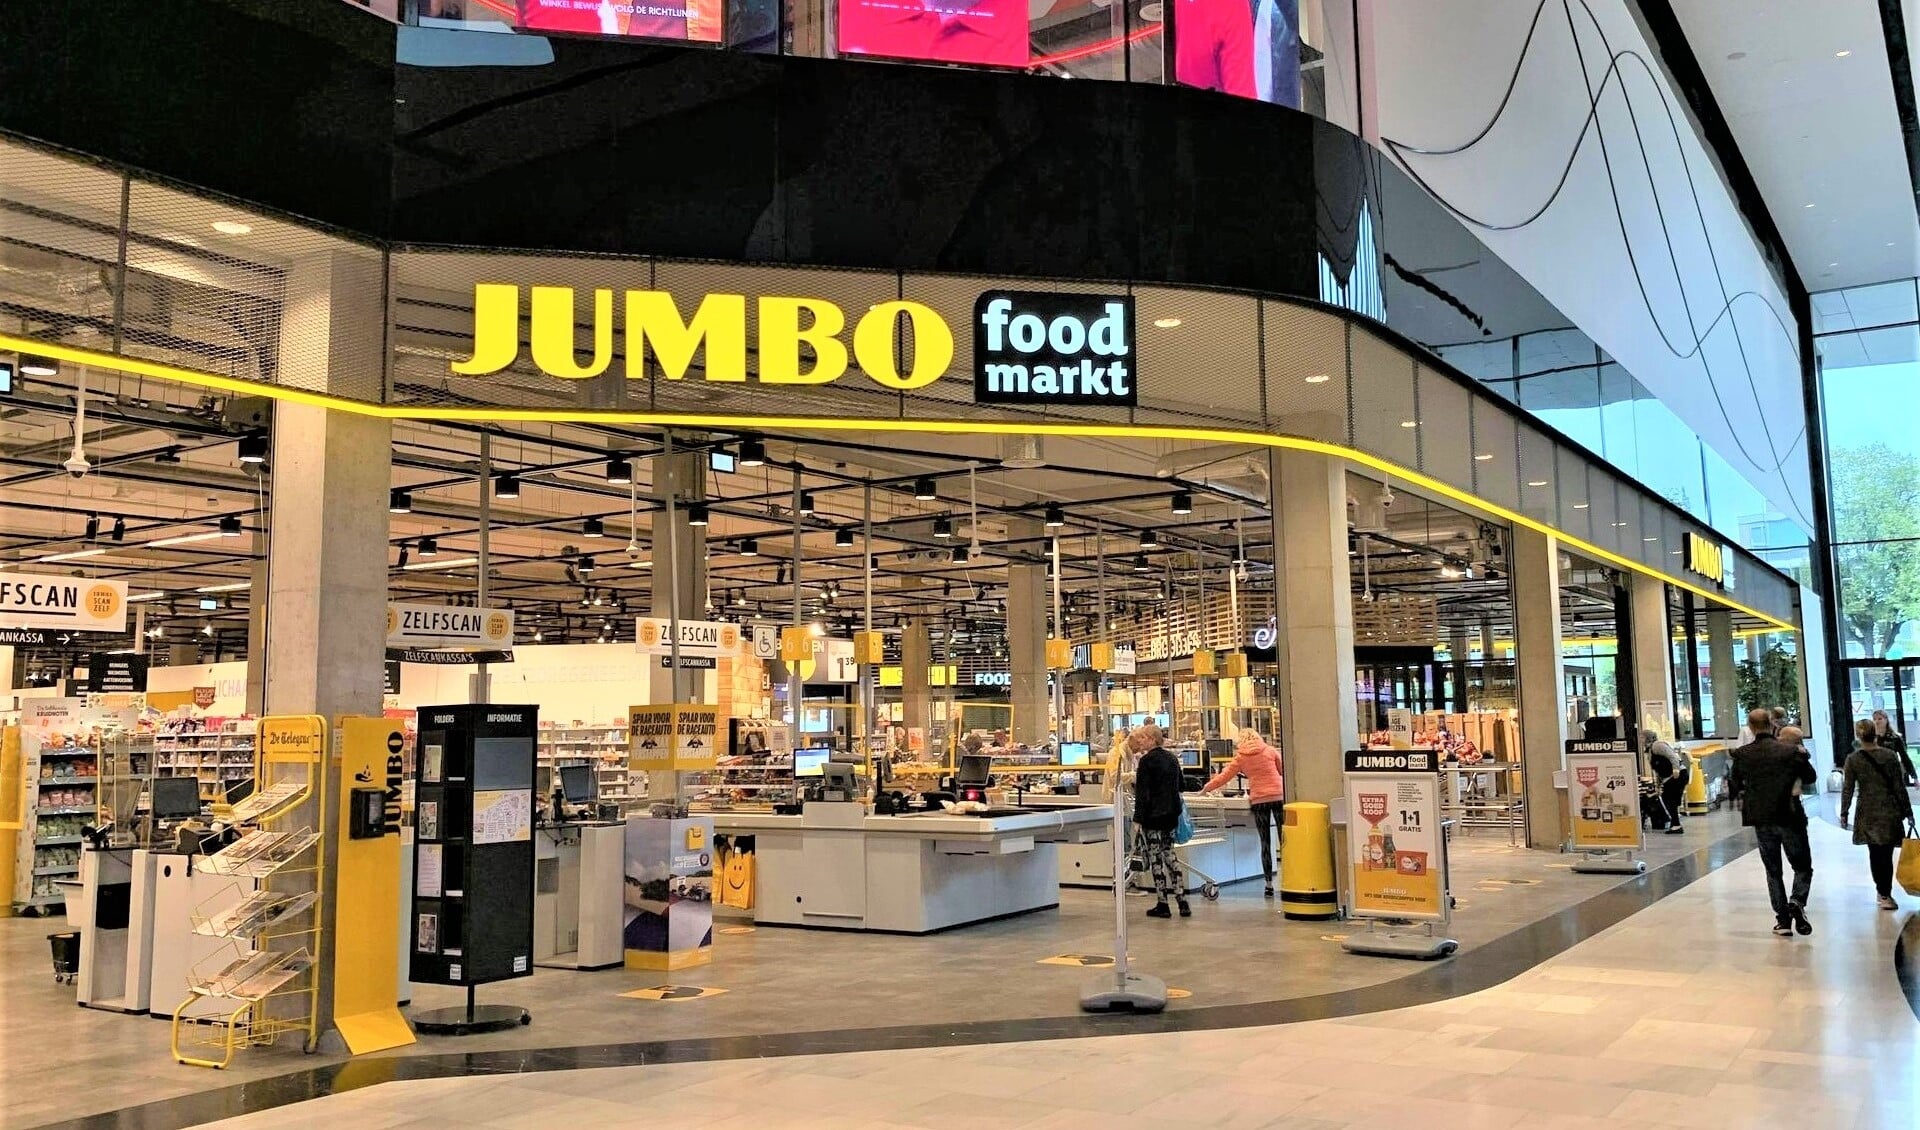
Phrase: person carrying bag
(1883, 821)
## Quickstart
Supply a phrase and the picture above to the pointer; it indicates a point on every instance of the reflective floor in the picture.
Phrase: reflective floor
(1688, 1013)
(977, 998)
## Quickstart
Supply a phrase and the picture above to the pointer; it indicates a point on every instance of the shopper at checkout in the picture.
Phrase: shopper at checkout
(1156, 813)
(1260, 764)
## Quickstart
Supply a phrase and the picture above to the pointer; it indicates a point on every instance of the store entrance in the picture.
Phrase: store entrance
(1892, 685)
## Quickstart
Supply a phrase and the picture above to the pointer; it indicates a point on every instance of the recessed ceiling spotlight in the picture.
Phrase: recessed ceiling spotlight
(1318, 379)
(1841, 54)
(1167, 323)
(232, 227)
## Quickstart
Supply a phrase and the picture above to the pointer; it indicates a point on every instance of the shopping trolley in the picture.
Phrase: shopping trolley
(1209, 827)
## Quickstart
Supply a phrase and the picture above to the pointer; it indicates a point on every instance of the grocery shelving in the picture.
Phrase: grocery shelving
(62, 792)
(603, 746)
(216, 751)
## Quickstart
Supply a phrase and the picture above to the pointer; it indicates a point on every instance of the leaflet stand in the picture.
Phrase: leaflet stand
(1122, 990)
(1402, 879)
(1603, 798)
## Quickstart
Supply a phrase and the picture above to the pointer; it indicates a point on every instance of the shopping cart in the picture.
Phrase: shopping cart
(1209, 827)
(66, 956)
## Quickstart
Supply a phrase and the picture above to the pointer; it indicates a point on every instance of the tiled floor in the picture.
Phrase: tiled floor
(1236, 952)
(1689, 1013)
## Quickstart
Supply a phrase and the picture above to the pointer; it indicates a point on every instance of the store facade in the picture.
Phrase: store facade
(738, 275)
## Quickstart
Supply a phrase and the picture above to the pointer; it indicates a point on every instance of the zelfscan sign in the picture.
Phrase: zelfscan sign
(1036, 348)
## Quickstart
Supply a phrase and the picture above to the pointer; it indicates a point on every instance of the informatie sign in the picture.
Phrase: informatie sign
(1393, 834)
(74, 604)
(1603, 783)
(441, 626)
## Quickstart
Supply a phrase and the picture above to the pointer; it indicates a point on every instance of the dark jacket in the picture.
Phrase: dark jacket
(1156, 791)
(1762, 777)
(1876, 775)
(1892, 740)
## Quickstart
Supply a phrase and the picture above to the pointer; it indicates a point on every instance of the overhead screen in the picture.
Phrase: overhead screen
(698, 21)
(983, 32)
(1249, 48)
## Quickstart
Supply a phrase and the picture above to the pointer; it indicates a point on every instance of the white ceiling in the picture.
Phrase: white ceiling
(1818, 129)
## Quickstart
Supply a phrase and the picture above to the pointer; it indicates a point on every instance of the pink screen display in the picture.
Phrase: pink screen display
(991, 32)
(696, 20)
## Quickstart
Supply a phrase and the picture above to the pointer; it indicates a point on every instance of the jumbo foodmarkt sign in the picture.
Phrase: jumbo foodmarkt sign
(1030, 347)
(76, 604)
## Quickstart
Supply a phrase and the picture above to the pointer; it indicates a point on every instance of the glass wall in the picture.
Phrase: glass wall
(1869, 347)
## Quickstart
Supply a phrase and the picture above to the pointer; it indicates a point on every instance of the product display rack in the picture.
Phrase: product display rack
(604, 747)
(267, 915)
(62, 793)
(755, 773)
(217, 751)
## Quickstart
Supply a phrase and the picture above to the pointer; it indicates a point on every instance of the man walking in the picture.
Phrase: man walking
(1766, 780)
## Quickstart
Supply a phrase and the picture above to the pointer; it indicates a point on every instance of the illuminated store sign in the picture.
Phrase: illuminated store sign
(80, 604)
(653, 326)
(1706, 559)
(1034, 348)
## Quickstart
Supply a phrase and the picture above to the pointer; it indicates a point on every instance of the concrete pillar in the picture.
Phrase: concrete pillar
(679, 567)
(1543, 714)
(326, 582)
(1314, 614)
(1652, 655)
(1725, 679)
(183, 654)
(916, 655)
(257, 629)
(1027, 604)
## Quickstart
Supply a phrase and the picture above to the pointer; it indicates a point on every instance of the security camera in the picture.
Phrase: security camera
(77, 464)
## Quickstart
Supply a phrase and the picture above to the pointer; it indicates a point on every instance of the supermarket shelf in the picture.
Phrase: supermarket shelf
(48, 782)
(74, 870)
(46, 900)
(58, 841)
(80, 752)
(76, 810)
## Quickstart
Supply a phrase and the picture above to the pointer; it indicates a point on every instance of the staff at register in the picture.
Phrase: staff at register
(1259, 763)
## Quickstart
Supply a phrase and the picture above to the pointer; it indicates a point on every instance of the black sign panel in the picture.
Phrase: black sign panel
(390, 677)
(25, 637)
(1575, 745)
(444, 658)
(116, 674)
(1032, 347)
(1391, 761)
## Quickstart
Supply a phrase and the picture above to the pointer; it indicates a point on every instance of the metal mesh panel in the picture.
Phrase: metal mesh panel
(1199, 356)
(59, 248)
(1385, 409)
(1445, 428)
(1306, 352)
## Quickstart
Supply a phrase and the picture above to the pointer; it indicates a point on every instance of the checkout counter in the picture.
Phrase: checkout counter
(578, 869)
(837, 867)
(1225, 847)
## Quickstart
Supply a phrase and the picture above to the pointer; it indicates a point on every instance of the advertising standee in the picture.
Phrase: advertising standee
(1397, 854)
(1603, 802)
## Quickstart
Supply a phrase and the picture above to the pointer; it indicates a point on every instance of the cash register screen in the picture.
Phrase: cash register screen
(1075, 753)
(810, 762)
(175, 798)
(1190, 758)
(576, 784)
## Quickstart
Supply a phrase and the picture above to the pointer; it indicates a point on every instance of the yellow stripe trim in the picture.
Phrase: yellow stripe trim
(718, 422)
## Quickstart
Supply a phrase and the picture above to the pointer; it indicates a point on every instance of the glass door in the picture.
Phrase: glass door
(1892, 686)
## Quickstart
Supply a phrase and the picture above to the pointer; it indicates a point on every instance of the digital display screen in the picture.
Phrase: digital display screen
(1190, 758)
(988, 32)
(810, 762)
(6, 377)
(1075, 753)
(697, 21)
(1249, 48)
(721, 461)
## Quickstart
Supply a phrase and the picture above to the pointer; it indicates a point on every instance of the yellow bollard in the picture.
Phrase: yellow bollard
(1307, 888)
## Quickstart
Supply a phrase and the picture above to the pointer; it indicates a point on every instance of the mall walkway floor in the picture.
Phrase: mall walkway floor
(1689, 1013)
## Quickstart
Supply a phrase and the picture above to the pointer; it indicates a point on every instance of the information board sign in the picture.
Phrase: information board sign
(1394, 850)
(1603, 796)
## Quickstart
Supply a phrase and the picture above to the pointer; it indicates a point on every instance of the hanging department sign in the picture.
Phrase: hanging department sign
(76, 604)
(1393, 834)
(703, 643)
(672, 738)
(1603, 794)
(439, 626)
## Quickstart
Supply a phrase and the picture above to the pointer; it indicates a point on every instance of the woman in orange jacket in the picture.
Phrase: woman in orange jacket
(1260, 764)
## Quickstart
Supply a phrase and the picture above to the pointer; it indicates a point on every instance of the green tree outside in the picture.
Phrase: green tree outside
(1876, 508)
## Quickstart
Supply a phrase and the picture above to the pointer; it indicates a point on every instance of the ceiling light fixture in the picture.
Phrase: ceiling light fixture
(402, 562)
(75, 555)
(586, 565)
(697, 514)
(1182, 502)
(1149, 540)
(1167, 323)
(1140, 563)
(93, 527)
(843, 537)
(39, 366)
(429, 547)
(593, 528)
(449, 563)
(237, 586)
(924, 489)
(145, 596)
(753, 453)
(961, 555)
(1409, 423)
(1536, 482)
(230, 526)
(399, 501)
(806, 502)
(1483, 457)
(749, 547)
(1056, 517)
(619, 472)
(943, 527)
(119, 530)
(232, 227)
(506, 485)
(252, 447)
(1580, 505)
